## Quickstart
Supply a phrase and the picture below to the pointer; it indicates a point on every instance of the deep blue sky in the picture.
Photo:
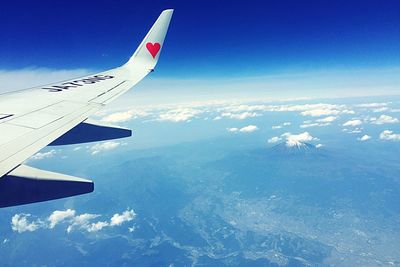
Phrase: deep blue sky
(206, 38)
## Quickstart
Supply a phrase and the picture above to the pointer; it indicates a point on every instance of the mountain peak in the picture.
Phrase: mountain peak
(294, 147)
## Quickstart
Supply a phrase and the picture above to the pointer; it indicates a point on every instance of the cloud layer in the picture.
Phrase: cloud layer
(84, 222)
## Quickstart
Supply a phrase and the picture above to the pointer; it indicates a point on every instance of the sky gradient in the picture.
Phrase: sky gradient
(207, 38)
(355, 43)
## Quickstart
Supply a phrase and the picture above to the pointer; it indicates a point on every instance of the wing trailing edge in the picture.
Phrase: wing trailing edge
(26, 185)
(91, 131)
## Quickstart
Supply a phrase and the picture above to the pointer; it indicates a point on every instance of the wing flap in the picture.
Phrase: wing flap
(22, 147)
(91, 131)
(28, 185)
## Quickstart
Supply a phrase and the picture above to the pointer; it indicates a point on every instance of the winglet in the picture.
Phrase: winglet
(148, 52)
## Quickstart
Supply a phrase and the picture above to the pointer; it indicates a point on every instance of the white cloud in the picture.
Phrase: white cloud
(327, 119)
(314, 125)
(248, 129)
(97, 226)
(319, 145)
(183, 114)
(314, 110)
(281, 125)
(364, 138)
(217, 118)
(382, 109)
(81, 221)
(126, 216)
(59, 216)
(348, 111)
(352, 123)
(105, 146)
(84, 222)
(305, 107)
(44, 155)
(246, 108)
(240, 116)
(352, 131)
(20, 223)
(298, 139)
(320, 112)
(274, 139)
(389, 136)
(371, 105)
(384, 119)
(232, 130)
(124, 116)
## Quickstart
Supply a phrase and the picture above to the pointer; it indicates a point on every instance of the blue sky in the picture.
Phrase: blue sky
(211, 40)
(206, 38)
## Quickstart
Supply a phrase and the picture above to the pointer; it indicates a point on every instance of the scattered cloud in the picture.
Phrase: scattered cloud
(184, 114)
(364, 138)
(319, 145)
(249, 129)
(240, 116)
(389, 136)
(126, 216)
(84, 222)
(320, 112)
(246, 129)
(105, 146)
(20, 223)
(315, 110)
(232, 130)
(59, 216)
(274, 127)
(382, 109)
(274, 139)
(352, 131)
(384, 119)
(372, 105)
(124, 116)
(319, 122)
(353, 123)
(307, 125)
(44, 155)
(217, 118)
(327, 119)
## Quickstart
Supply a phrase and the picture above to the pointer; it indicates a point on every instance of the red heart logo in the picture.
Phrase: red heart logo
(153, 48)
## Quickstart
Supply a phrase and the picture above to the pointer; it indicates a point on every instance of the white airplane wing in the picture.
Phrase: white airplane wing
(57, 114)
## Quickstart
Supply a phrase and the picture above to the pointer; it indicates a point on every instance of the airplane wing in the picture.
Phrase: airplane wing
(57, 114)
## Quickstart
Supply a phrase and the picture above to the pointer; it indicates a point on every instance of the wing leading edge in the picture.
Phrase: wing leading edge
(56, 109)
